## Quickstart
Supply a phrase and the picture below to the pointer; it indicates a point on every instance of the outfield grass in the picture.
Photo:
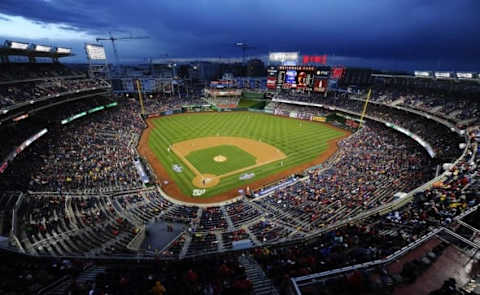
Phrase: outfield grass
(246, 103)
(236, 159)
(301, 141)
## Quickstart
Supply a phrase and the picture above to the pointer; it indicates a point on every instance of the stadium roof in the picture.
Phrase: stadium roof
(5, 51)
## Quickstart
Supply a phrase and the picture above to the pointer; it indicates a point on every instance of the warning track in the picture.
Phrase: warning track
(172, 189)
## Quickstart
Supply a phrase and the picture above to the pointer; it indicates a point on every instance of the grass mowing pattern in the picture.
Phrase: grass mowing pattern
(301, 141)
(236, 159)
(246, 103)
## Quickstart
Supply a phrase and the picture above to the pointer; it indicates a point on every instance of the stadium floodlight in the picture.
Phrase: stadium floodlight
(95, 52)
(443, 75)
(422, 74)
(463, 75)
(17, 45)
(64, 50)
(43, 48)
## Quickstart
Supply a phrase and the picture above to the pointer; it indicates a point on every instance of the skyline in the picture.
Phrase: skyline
(413, 34)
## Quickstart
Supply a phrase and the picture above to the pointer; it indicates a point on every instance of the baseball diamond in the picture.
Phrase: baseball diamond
(269, 147)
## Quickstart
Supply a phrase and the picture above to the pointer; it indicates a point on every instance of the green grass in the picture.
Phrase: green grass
(301, 141)
(246, 103)
(236, 159)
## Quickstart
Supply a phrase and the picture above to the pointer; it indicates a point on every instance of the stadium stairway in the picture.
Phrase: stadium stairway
(186, 244)
(86, 277)
(262, 285)
(231, 227)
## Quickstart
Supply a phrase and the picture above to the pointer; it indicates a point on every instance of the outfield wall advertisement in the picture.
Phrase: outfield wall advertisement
(20, 148)
(319, 119)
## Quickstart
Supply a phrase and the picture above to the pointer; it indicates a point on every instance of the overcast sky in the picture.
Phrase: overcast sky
(437, 34)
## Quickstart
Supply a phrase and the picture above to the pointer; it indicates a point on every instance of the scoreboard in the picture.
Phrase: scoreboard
(307, 78)
(295, 77)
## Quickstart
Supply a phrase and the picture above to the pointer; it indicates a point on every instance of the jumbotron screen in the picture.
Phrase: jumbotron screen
(299, 77)
(95, 52)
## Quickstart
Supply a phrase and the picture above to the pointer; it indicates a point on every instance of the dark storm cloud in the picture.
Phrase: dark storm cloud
(388, 29)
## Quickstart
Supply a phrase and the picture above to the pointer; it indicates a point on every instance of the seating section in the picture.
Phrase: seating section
(158, 104)
(21, 92)
(94, 154)
(28, 71)
(437, 135)
(81, 195)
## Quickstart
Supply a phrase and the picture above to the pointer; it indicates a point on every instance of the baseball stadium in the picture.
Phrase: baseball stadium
(287, 173)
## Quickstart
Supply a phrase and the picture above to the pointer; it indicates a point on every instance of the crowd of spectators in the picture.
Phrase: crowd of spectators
(15, 133)
(371, 166)
(302, 111)
(158, 104)
(453, 101)
(97, 154)
(94, 153)
(30, 71)
(221, 275)
(30, 91)
(444, 142)
(27, 275)
(379, 236)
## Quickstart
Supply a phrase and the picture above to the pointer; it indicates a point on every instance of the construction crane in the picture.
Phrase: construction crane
(244, 46)
(113, 39)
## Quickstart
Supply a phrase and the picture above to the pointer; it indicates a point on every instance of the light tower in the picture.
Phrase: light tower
(113, 39)
(244, 46)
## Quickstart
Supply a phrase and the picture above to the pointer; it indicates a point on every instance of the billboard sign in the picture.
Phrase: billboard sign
(283, 56)
(314, 59)
(337, 72)
(271, 82)
(272, 71)
(320, 85)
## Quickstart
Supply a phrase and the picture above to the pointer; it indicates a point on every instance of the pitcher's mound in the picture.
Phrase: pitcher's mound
(205, 180)
(220, 158)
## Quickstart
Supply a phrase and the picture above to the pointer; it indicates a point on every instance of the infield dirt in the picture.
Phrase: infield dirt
(174, 191)
(264, 154)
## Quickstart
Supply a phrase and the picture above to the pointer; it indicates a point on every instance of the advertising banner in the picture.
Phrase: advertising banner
(283, 56)
(320, 85)
(337, 73)
(319, 119)
(271, 82)
(304, 116)
(315, 59)
(3, 167)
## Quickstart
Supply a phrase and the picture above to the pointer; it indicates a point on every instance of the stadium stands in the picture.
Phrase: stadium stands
(75, 193)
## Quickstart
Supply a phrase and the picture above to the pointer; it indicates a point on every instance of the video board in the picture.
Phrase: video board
(296, 77)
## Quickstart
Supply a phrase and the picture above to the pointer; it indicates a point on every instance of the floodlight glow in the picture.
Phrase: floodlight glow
(42, 48)
(95, 52)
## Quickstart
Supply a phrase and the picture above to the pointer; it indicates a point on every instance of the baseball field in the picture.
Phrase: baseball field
(208, 157)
